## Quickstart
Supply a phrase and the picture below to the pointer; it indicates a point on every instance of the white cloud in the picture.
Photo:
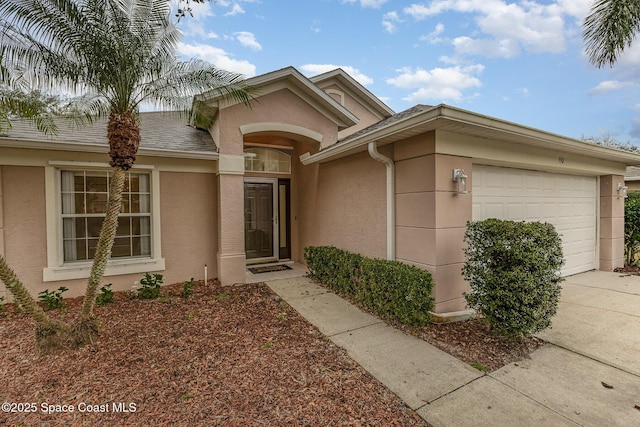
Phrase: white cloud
(609, 85)
(389, 21)
(248, 39)
(507, 28)
(375, 4)
(236, 9)
(432, 37)
(313, 69)
(217, 57)
(493, 48)
(438, 84)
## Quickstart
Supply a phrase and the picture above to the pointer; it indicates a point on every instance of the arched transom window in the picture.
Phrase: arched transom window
(266, 160)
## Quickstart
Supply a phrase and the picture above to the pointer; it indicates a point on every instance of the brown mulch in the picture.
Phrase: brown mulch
(472, 342)
(632, 270)
(224, 356)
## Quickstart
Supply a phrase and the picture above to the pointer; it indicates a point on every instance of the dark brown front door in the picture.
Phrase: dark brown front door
(258, 219)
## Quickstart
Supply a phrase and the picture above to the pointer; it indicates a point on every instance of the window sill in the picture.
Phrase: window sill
(114, 268)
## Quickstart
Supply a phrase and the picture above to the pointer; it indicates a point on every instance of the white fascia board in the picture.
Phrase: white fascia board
(444, 113)
(544, 138)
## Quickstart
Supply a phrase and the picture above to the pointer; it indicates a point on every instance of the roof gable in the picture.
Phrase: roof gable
(340, 78)
(293, 80)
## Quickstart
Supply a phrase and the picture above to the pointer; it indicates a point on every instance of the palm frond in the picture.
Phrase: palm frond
(609, 29)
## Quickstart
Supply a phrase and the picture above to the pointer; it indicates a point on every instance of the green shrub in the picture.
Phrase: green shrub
(150, 286)
(632, 228)
(187, 288)
(389, 288)
(52, 299)
(2, 305)
(333, 267)
(514, 272)
(105, 296)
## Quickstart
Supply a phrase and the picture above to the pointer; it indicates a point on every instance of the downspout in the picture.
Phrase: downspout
(391, 206)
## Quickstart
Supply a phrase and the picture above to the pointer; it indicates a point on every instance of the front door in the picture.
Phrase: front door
(260, 218)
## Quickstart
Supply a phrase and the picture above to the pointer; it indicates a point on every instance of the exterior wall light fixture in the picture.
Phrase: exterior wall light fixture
(461, 178)
(622, 191)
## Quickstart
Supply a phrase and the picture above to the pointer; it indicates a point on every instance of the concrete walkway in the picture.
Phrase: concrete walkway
(595, 340)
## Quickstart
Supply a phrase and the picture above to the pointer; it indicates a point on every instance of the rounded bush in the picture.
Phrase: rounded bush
(513, 269)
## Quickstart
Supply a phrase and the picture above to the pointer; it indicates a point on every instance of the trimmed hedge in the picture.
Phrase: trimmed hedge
(389, 288)
(514, 272)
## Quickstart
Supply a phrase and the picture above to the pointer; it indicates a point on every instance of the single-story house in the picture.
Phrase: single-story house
(632, 178)
(313, 161)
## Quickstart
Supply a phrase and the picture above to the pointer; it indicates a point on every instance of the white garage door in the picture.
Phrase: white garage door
(566, 201)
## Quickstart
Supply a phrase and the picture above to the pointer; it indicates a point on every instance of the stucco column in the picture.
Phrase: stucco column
(431, 219)
(611, 223)
(231, 257)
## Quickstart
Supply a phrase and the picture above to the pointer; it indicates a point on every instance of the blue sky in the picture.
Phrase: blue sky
(518, 61)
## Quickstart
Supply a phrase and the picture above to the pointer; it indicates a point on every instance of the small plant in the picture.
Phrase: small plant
(222, 296)
(1, 305)
(266, 345)
(187, 288)
(479, 366)
(106, 295)
(150, 286)
(52, 299)
(190, 315)
(283, 316)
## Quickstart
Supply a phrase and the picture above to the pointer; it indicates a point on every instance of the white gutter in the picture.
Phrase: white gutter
(391, 206)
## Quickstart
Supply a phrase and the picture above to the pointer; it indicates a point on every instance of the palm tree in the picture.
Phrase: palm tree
(117, 54)
(611, 27)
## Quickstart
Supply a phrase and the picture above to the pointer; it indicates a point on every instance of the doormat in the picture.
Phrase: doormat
(269, 269)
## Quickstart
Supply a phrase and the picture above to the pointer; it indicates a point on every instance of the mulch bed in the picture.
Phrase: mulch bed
(472, 342)
(233, 356)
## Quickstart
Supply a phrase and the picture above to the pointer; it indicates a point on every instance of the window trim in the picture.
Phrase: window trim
(56, 268)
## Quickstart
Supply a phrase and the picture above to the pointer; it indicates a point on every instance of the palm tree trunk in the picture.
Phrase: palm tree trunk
(51, 335)
(123, 133)
(20, 293)
(86, 329)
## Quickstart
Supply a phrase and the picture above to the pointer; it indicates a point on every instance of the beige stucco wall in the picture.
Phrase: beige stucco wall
(343, 204)
(24, 220)
(365, 116)
(188, 215)
(632, 185)
(611, 223)
(281, 106)
(431, 218)
(2, 288)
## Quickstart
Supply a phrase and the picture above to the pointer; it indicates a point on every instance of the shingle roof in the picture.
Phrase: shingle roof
(416, 109)
(159, 130)
(632, 172)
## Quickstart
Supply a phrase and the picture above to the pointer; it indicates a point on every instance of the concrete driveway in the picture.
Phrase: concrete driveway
(588, 375)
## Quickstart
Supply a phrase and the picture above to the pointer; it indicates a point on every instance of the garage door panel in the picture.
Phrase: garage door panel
(566, 201)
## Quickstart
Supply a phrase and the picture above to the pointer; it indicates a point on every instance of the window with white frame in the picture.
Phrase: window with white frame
(266, 160)
(84, 203)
